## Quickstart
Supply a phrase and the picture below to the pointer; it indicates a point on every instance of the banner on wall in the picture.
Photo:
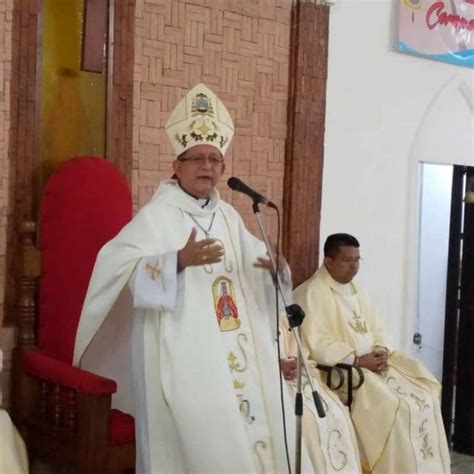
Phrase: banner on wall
(437, 29)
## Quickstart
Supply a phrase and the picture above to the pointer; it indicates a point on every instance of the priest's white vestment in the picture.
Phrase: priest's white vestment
(396, 414)
(13, 459)
(205, 369)
(330, 441)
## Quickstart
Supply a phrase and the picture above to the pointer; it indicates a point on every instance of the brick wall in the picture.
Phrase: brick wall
(240, 49)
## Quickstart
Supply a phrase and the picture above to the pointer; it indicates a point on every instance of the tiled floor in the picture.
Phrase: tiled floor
(462, 464)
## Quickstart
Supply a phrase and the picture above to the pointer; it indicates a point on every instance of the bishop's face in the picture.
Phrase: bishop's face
(343, 267)
(198, 170)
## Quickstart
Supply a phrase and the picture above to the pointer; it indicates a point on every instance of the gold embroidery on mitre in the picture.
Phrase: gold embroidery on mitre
(202, 105)
(153, 270)
(200, 118)
(238, 385)
(204, 128)
(225, 304)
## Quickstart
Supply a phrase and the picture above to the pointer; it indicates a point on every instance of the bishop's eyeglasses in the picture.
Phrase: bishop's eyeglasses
(214, 160)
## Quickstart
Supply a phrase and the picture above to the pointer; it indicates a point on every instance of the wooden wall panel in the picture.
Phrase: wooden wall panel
(120, 111)
(7, 169)
(305, 145)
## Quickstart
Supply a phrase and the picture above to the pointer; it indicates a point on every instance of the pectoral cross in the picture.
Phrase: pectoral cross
(359, 326)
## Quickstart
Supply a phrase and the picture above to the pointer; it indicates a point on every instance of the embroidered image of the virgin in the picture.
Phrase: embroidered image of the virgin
(224, 303)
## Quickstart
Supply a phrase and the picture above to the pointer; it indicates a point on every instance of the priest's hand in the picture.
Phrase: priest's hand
(376, 361)
(199, 252)
(382, 356)
(288, 367)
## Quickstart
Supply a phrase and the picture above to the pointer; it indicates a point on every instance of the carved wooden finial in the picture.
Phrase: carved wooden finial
(27, 227)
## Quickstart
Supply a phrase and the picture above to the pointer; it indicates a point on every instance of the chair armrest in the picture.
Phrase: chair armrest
(56, 371)
(350, 385)
(329, 370)
(349, 369)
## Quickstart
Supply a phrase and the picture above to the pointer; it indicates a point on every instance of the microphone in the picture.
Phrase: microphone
(238, 185)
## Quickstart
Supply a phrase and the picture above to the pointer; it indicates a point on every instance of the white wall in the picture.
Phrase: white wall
(386, 112)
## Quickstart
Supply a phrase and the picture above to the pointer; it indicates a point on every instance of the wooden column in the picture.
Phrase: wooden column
(305, 143)
(120, 86)
(22, 134)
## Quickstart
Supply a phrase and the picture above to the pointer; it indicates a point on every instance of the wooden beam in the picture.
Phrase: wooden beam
(305, 142)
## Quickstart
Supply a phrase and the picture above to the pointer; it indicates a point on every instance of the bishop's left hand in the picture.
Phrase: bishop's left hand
(266, 263)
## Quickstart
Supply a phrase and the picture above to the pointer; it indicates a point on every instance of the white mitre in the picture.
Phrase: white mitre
(200, 118)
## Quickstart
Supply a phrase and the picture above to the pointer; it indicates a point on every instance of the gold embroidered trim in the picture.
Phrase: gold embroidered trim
(398, 389)
(258, 454)
(244, 407)
(338, 436)
(426, 449)
(420, 402)
(234, 364)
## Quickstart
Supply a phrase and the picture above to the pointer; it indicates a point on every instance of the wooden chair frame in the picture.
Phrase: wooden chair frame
(60, 424)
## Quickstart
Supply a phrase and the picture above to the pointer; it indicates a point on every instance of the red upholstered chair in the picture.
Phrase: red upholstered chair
(65, 412)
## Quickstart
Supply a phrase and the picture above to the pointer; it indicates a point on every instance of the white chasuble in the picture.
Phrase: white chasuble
(396, 414)
(205, 370)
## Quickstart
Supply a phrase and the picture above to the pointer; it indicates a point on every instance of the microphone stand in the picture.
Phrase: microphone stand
(295, 317)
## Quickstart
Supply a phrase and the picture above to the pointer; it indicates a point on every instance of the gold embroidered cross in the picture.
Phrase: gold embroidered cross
(359, 327)
(153, 270)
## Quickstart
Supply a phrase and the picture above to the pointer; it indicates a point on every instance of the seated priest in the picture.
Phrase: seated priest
(205, 369)
(396, 412)
(330, 441)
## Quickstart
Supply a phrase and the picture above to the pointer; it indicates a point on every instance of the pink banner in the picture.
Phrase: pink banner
(440, 30)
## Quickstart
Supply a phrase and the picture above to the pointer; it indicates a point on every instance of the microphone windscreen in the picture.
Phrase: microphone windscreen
(233, 183)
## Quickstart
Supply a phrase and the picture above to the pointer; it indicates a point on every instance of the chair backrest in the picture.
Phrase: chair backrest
(85, 204)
